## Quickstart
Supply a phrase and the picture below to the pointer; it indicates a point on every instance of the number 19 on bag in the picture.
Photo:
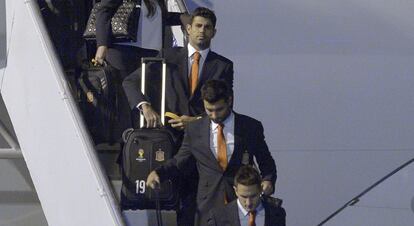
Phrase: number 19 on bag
(140, 186)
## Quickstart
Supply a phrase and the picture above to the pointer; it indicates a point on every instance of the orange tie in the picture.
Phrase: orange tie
(252, 218)
(221, 148)
(194, 72)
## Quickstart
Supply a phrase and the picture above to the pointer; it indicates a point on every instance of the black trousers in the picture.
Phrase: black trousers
(126, 59)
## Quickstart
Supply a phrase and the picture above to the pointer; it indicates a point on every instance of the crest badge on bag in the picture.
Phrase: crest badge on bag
(159, 155)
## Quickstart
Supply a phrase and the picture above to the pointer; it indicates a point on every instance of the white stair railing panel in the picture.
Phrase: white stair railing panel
(68, 178)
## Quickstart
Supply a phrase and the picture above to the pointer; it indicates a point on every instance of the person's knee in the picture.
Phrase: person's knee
(128, 81)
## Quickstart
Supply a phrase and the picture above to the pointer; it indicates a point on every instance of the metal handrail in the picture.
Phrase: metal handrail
(357, 198)
(14, 151)
(10, 153)
(11, 141)
(181, 4)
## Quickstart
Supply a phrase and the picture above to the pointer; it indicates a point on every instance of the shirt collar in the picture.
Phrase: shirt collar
(228, 121)
(259, 208)
(192, 50)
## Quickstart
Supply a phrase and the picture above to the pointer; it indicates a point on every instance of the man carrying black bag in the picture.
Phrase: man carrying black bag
(126, 31)
(218, 143)
(188, 69)
(144, 150)
(100, 101)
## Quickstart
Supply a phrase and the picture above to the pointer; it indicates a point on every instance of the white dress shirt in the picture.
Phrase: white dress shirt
(228, 132)
(244, 215)
(203, 56)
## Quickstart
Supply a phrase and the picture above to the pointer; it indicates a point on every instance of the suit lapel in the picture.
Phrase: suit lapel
(237, 155)
(182, 65)
(267, 213)
(235, 212)
(209, 64)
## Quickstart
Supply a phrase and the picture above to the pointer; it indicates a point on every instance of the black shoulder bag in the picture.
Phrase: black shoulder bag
(124, 22)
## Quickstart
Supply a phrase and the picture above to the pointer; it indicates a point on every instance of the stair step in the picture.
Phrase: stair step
(108, 155)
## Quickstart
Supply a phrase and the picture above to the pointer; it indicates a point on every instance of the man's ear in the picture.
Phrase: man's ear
(214, 33)
(230, 101)
(188, 28)
(235, 189)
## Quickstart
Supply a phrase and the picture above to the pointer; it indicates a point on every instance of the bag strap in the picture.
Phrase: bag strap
(89, 94)
(158, 206)
(112, 104)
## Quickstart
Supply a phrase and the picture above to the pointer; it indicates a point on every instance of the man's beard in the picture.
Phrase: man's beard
(221, 119)
(218, 120)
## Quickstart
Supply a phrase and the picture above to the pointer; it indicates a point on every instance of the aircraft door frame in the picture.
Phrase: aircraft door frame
(3, 36)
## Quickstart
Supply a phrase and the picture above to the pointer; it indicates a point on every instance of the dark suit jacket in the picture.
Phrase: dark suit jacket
(213, 182)
(229, 215)
(178, 97)
(108, 9)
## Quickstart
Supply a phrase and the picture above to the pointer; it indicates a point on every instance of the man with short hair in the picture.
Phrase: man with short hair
(187, 70)
(250, 208)
(219, 142)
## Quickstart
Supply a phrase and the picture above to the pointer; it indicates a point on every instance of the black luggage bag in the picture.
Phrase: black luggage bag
(144, 150)
(99, 100)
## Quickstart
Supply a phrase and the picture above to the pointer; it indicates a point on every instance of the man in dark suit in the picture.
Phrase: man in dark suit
(187, 70)
(220, 143)
(186, 73)
(250, 208)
